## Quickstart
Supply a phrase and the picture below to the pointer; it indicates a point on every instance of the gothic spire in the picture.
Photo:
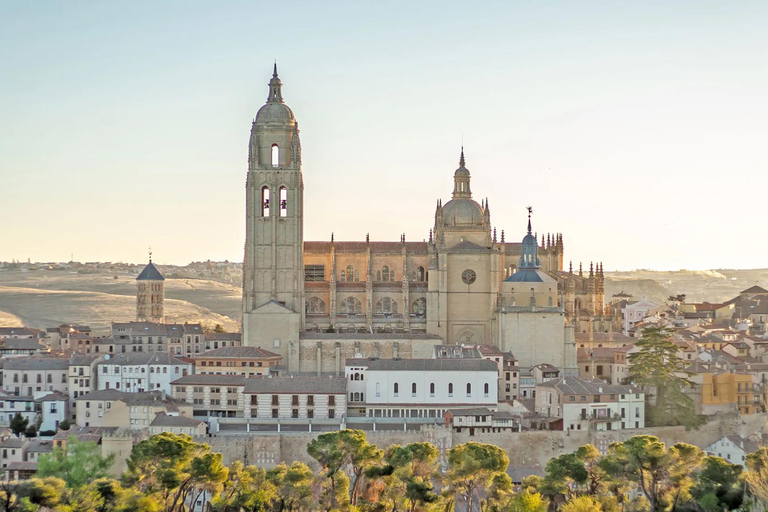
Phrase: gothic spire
(462, 163)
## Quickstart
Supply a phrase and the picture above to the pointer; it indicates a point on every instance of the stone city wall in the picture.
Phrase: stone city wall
(525, 448)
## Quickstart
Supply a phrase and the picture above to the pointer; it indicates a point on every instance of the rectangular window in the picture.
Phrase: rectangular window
(314, 273)
(331, 400)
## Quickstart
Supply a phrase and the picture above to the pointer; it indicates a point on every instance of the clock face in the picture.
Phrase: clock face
(468, 276)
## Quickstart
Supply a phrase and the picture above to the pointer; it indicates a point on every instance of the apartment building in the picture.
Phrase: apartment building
(245, 361)
(212, 395)
(28, 375)
(296, 398)
(134, 411)
(593, 404)
(141, 371)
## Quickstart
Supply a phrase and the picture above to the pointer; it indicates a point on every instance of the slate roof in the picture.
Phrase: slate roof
(293, 385)
(150, 273)
(19, 331)
(141, 358)
(55, 396)
(472, 411)
(518, 473)
(163, 420)
(204, 379)
(239, 353)
(103, 394)
(578, 386)
(40, 446)
(36, 363)
(12, 442)
(424, 365)
(22, 466)
(22, 344)
(755, 289)
(530, 275)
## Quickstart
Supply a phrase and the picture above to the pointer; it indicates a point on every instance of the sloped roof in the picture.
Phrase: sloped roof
(150, 273)
(755, 289)
(529, 275)
(578, 386)
(422, 365)
(164, 420)
(36, 363)
(309, 385)
(210, 379)
(239, 353)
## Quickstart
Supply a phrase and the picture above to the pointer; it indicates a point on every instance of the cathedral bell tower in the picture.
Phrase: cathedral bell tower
(273, 277)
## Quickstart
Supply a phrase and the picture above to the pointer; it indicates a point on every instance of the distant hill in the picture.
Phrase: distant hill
(698, 285)
(46, 298)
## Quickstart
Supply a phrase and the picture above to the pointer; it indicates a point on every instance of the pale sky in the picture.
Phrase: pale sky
(635, 128)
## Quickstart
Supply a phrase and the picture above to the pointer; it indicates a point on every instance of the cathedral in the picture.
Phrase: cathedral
(317, 302)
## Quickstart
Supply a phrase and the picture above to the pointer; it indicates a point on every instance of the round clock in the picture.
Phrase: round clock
(468, 276)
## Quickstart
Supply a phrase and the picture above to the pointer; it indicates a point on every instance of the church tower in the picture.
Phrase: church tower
(273, 277)
(150, 294)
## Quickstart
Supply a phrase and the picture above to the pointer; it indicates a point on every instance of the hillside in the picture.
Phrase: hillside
(46, 298)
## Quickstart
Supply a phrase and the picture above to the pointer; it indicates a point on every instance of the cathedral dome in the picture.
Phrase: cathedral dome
(275, 113)
(275, 110)
(462, 212)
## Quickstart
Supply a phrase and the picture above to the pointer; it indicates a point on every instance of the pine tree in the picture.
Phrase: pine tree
(661, 374)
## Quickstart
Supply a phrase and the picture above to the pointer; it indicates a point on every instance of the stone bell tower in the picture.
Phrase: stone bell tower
(150, 294)
(273, 269)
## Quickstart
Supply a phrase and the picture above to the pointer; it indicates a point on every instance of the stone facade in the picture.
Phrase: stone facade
(451, 286)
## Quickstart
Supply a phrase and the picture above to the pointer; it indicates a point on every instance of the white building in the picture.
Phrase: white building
(24, 376)
(590, 404)
(54, 408)
(419, 388)
(734, 449)
(140, 371)
(634, 312)
(82, 377)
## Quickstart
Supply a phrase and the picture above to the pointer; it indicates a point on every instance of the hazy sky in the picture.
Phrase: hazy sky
(637, 129)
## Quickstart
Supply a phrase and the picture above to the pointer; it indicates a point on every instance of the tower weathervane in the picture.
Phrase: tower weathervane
(150, 254)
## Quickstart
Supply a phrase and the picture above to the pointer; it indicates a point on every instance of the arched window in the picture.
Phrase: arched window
(432, 389)
(419, 307)
(420, 274)
(357, 275)
(378, 389)
(391, 275)
(343, 275)
(396, 388)
(350, 306)
(275, 155)
(413, 389)
(485, 389)
(549, 302)
(469, 389)
(450, 389)
(378, 275)
(314, 305)
(350, 272)
(385, 273)
(351, 376)
(265, 201)
(283, 202)
(386, 306)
